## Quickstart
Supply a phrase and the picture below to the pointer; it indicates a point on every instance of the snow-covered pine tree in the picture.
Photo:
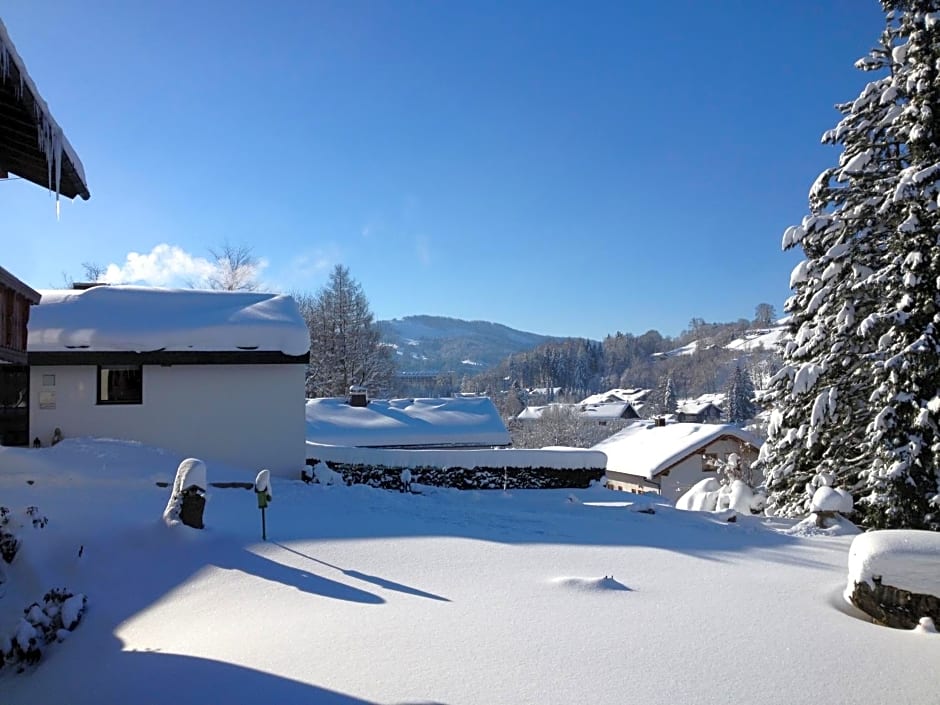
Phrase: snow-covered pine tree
(819, 398)
(739, 393)
(901, 482)
(664, 399)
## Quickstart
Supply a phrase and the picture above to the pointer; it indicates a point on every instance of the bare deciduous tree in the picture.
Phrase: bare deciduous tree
(236, 269)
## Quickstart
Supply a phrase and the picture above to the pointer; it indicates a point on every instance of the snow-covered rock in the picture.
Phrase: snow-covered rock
(894, 576)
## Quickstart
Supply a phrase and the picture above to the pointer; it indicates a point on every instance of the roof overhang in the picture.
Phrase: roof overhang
(10, 282)
(32, 145)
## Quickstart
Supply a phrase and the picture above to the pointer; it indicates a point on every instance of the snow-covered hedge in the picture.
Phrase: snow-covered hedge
(460, 478)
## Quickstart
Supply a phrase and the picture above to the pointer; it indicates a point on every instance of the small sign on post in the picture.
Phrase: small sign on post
(263, 491)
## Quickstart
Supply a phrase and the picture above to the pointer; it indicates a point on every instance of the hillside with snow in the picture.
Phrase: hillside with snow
(368, 596)
(440, 344)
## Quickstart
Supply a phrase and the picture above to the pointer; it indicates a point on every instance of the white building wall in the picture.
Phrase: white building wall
(247, 416)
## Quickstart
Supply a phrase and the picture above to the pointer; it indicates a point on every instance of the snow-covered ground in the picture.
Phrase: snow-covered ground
(369, 596)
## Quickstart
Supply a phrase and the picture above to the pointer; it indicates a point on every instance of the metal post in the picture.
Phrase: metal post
(264, 528)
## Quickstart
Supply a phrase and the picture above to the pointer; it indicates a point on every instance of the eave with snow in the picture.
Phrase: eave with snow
(669, 459)
(32, 144)
(210, 374)
(462, 422)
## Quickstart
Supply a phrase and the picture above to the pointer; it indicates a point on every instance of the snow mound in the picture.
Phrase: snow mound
(607, 582)
(808, 527)
(831, 499)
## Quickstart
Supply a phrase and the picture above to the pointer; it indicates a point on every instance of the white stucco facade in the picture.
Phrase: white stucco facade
(245, 415)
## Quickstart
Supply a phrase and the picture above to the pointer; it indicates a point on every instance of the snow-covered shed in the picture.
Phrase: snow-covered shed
(212, 374)
(670, 459)
(32, 145)
(460, 422)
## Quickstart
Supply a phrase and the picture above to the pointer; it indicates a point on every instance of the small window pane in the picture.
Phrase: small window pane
(120, 385)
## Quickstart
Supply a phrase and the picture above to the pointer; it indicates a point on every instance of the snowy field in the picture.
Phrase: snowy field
(369, 596)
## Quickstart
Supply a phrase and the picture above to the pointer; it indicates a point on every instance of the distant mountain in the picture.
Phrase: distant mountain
(439, 344)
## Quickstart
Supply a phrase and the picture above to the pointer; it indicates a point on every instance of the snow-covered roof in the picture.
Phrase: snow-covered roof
(143, 319)
(632, 395)
(646, 450)
(607, 410)
(40, 151)
(403, 423)
(604, 410)
(695, 406)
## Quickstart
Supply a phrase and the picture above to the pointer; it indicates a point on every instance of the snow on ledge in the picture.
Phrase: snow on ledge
(556, 458)
(145, 319)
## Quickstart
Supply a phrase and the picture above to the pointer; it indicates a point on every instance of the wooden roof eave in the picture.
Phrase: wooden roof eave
(24, 117)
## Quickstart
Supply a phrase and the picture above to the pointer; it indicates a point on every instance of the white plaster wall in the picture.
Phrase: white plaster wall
(248, 416)
(689, 471)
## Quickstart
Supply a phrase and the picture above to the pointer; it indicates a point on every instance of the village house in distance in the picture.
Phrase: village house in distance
(669, 458)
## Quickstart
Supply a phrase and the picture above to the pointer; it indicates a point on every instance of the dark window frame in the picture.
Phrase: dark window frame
(138, 400)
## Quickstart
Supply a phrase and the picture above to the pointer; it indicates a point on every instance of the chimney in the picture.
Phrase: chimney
(358, 396)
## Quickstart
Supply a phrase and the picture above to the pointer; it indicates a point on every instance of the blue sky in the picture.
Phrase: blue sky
(567, 169)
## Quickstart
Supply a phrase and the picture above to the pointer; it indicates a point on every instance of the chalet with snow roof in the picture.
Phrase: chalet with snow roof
(213, 374)
(461, 422)
(668, 459)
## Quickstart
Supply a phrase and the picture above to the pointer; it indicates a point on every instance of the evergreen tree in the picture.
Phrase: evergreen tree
(345, 347)
(901, 481)
(740, 406)
(664, 399)
(859, 372)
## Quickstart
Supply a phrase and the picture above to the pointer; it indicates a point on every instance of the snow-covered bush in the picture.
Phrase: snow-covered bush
(189, 486)
(60, 613)
(736, 468)
(9, 543)
(325, 476)
(709, 495)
